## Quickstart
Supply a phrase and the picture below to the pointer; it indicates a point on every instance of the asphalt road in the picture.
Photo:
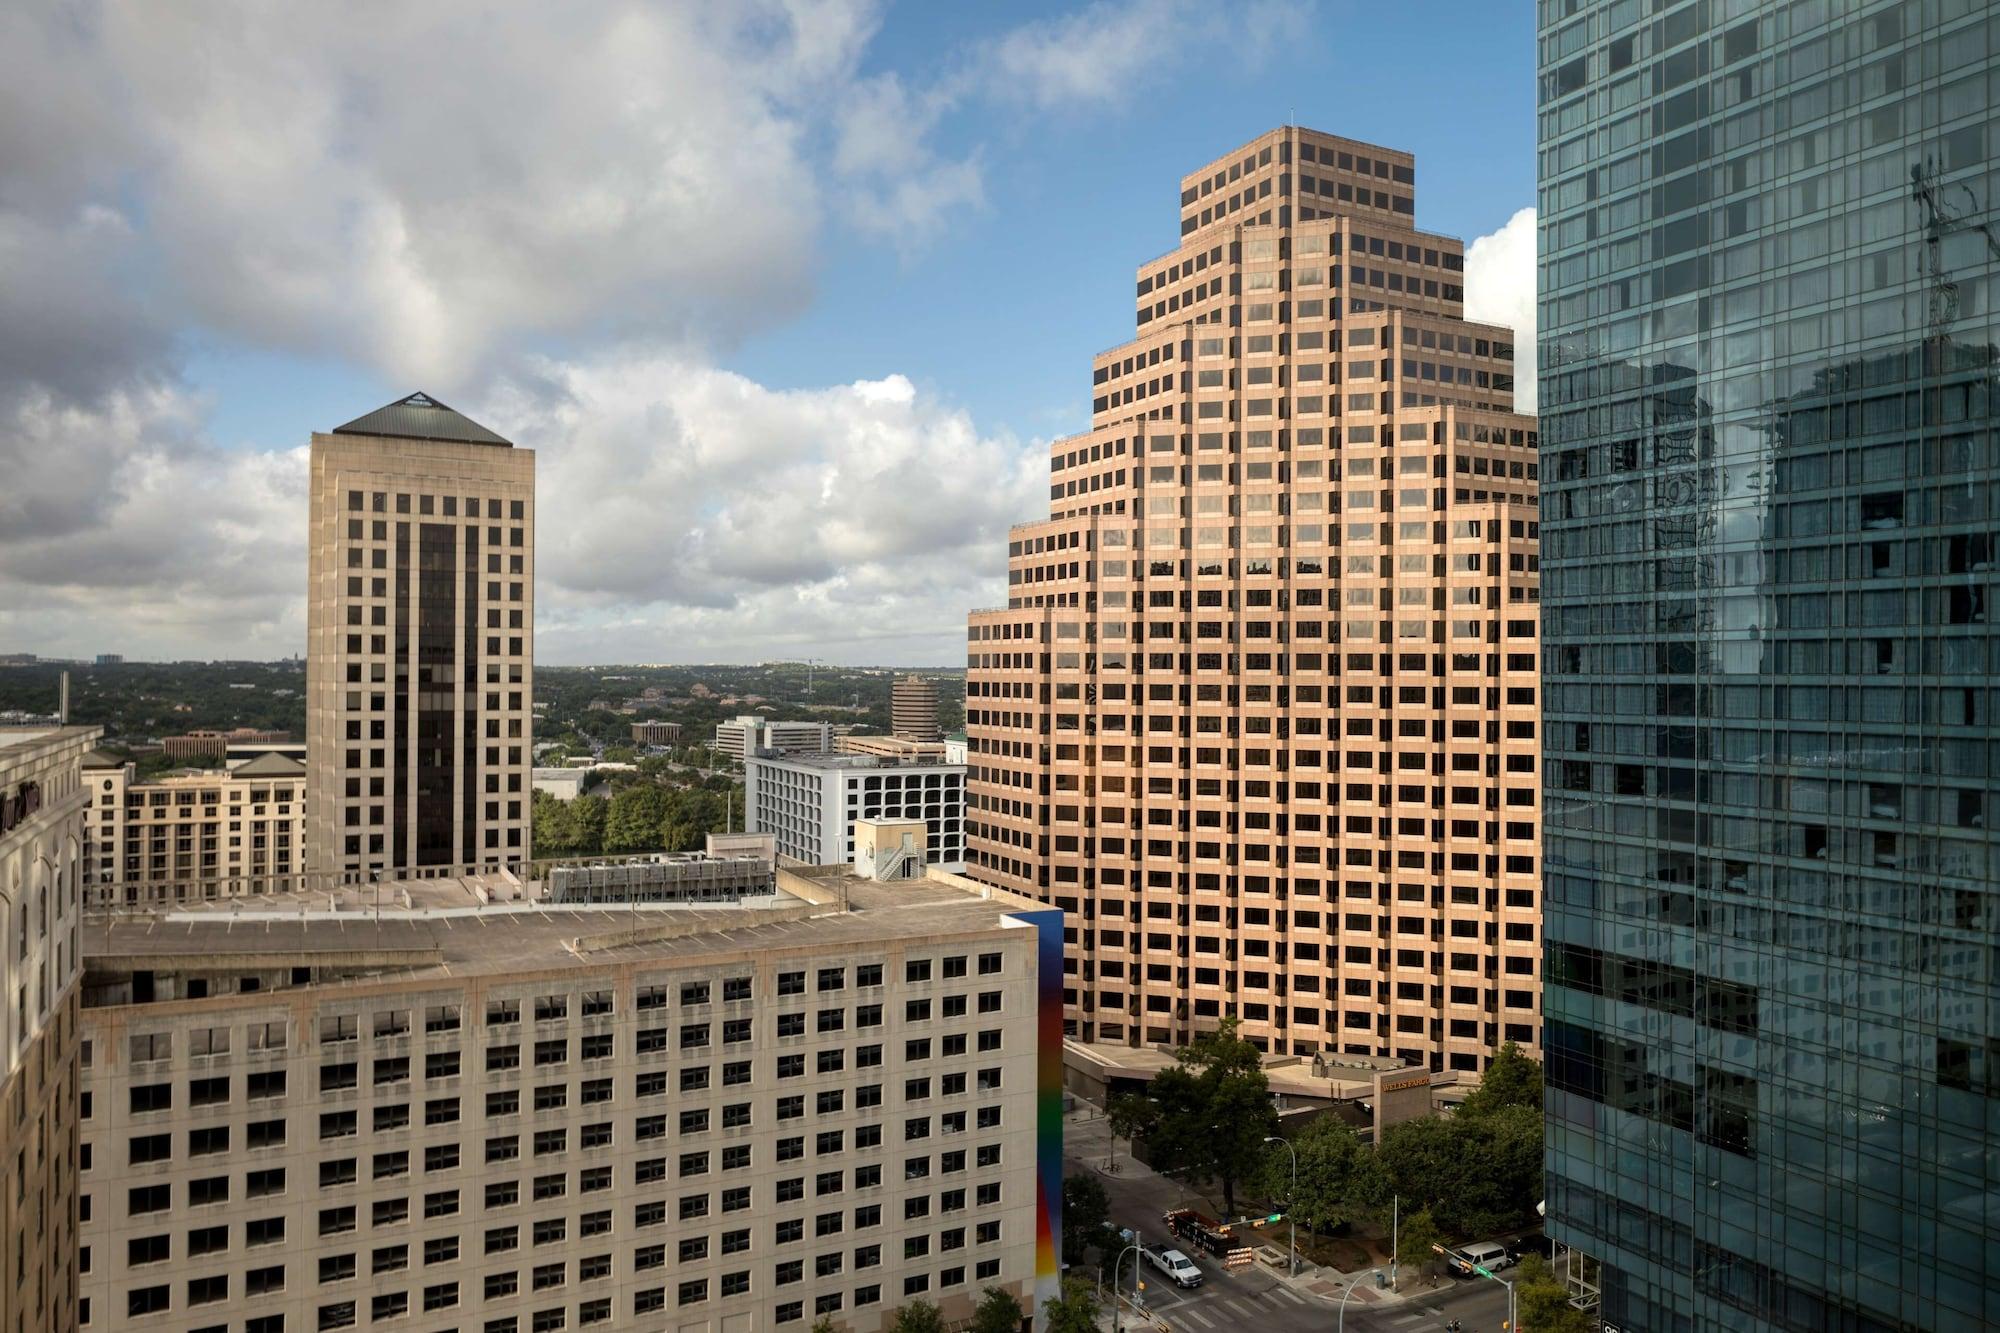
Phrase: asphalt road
(1255, 1299)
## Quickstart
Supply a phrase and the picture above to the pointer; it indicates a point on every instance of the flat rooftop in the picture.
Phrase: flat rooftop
(847, 760)
(441, 928)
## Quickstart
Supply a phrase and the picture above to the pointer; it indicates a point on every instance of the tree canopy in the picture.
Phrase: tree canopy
(1075, 1311)
(1511, 1079)
(1086, 1218)
(1214, 1110)
(1543, 1301)
(998, 1312)
(918, 1316)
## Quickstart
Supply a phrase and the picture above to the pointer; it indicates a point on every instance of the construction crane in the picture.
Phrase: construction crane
(1941, 219)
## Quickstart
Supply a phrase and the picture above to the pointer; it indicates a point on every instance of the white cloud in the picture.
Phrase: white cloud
(1500, 289)
(688, 511)
(519, 215)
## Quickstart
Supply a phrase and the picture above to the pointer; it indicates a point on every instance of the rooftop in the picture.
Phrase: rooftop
(451, 927)
(421, 417)
(834, 762)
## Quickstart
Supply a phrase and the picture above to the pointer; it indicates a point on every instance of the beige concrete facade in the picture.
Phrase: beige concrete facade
(629, 1118)
(889, 747)
(205, 834)
(913, 709)
(42, 807)
(420, 647)
(743, 736)
(656, 733)
(1260, 714)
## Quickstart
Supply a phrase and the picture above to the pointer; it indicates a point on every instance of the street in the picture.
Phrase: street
(1258, 1298)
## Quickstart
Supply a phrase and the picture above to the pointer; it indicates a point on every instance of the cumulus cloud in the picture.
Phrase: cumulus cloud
(685, 509)
(563, 223)
(1500, 289)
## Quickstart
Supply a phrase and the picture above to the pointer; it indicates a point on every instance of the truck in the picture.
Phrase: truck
(1202, 1231)
(1180, 1269)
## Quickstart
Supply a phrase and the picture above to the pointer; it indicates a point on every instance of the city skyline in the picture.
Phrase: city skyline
(709, 447)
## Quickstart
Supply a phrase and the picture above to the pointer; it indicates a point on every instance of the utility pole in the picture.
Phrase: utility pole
(1116, 1265)
(1395, 1232)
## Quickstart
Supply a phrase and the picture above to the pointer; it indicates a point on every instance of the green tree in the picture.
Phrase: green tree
(1511, 1079)
(998, 1312)
(1332, 1166)
(919, 1316)
(1416, 1242)
(1086, 1217)
(588, 814)
(1075, 1311)
(1543, 1300)
(823, 1324)
(1214, 1110)
(634, 822)
(555, 826)
(1131, 1117)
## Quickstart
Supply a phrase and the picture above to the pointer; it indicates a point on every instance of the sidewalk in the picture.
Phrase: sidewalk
(1087, 1146)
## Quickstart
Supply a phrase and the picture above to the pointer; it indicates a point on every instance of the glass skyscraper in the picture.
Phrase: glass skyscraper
(1768, 310)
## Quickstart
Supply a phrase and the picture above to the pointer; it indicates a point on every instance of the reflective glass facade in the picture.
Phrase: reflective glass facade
(1768, 312)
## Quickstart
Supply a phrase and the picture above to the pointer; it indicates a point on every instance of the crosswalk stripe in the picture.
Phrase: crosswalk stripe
(1195, 1317)
(1288, 1294)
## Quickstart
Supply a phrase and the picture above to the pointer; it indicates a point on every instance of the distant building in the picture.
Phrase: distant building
(888, 747)
(110, 659)
(656, 733)
(185, 837)
(746, 735)
(214, 745)
(913, 709)
(954, 748)
(811, 802)
(565, 784)
(18, 659)
(42, 807)
(239, 753)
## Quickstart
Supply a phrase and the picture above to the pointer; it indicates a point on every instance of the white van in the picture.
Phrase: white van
(1487, 1254)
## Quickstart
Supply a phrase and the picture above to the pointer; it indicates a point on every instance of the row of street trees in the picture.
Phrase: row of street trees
(1473, 1173)
(642, 816)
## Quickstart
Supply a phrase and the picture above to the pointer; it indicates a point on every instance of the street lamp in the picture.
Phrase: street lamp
(1341, 1322)
(1116, 1265)
(1292, 1201)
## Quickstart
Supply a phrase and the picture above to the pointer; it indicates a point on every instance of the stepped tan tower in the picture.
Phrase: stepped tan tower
(1260, 713)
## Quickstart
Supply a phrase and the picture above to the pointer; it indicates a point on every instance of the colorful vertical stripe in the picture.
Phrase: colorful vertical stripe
(1048, 1104)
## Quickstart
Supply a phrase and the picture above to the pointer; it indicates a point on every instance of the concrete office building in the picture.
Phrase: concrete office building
(656, 733)
(420, 663)
(636, 1117)
(203, 834)
(811, 803)
(888, 747)
(913, 709)
(1769, 387)
(216, 744)
(743, 736)
(1260, 711)
(42, 806)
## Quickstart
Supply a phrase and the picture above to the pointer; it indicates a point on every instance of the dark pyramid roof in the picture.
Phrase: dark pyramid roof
(269, 766)
(421, 417)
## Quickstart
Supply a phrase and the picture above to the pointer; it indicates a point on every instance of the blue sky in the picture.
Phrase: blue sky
(724, 268)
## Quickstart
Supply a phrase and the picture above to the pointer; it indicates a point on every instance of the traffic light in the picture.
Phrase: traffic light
(1275, 1217)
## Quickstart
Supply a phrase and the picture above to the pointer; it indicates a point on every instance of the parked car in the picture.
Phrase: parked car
(1534, 1242)
(1178, 1267)
(1488, 1254)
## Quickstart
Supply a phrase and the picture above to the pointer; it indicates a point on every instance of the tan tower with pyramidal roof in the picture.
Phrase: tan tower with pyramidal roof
(420, 655)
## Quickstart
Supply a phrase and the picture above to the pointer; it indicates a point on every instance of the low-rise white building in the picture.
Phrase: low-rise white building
(744, 736)
(810, 803)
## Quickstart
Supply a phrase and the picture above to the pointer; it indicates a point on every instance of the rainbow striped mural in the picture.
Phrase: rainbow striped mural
(1048, 1105)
